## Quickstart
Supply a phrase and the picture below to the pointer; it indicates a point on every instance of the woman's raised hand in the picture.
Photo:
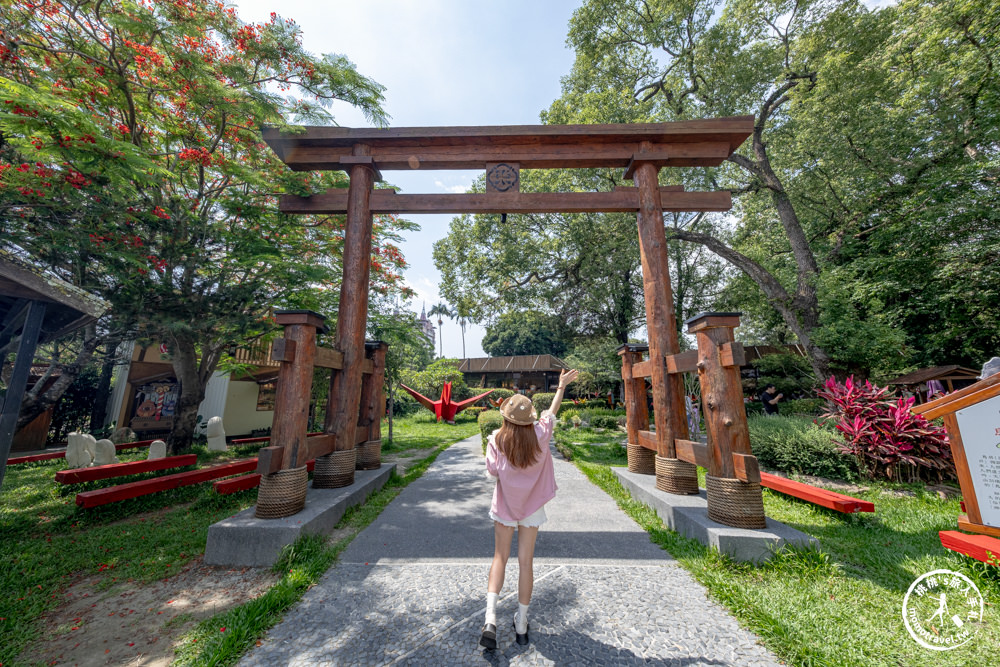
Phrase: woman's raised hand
(567, 376)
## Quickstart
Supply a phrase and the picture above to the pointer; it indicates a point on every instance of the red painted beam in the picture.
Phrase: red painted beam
(980, 547)
(134, 445)
(829, 499)
(227, 486)
(236, 484)
(266, 438)
(148, 486)
(112, 470)
(36, 457)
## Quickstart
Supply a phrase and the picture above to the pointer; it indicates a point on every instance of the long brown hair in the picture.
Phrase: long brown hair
(518, 443)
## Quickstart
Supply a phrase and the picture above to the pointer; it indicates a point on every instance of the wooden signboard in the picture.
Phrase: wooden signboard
(972, 419)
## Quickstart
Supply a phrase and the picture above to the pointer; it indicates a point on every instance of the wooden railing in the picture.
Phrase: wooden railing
(256, 354)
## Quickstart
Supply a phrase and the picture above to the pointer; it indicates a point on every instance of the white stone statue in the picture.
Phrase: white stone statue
(90, 445)
(157, 450)
(123, 435)
(105, 453)
(77, 455)
(216, 435)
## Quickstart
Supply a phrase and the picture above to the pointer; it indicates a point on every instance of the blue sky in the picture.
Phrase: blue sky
(443, 62)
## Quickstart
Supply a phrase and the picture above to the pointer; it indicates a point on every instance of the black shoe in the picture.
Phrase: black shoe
(489, 638)
(518, 637)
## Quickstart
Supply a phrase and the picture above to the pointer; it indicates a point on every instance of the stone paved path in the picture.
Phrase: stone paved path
(410, 589)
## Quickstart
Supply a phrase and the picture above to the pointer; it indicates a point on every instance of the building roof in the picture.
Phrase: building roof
(949, 372)
(519, 364)
(67, 307)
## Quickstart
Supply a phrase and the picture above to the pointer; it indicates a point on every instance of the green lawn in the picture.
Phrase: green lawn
(421, 431)
(842, 604)
(47, 542)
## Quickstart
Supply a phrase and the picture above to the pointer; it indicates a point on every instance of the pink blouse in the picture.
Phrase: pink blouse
(520, 492)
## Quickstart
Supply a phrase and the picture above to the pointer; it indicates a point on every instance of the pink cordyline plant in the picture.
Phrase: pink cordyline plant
(880, 431)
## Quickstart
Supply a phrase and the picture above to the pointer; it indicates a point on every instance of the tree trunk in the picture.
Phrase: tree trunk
(36, 402)
(193, 375)
(801, 315)
(100, 408)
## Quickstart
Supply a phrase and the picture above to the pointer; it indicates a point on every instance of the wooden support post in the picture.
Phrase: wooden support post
(345, 386)
(722, 396)
(661, 322)
(732, 485)
(640, 459)
(376, 402)
(668, 389)
(10, 405)
(294, 388)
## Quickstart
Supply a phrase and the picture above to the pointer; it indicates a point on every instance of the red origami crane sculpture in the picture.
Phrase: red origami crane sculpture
(444, 407)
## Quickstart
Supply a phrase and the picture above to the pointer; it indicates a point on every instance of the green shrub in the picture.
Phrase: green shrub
(489, 421)
(500, 394)
(604, 421)
(799, 445)
(567, 415)
(802, 406)
(473, 410)
(542, 401)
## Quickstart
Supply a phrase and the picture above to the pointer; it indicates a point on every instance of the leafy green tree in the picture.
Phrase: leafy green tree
(599, 364)
(148, 181)
(430, 381)
(526, 332)
(409, 350)
(862, 191)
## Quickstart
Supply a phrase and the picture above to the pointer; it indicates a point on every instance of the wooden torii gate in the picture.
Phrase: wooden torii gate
(502, 151)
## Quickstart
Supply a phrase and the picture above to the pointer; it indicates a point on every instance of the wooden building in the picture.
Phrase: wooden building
(531, 372)
(950, 378)
(145, 392)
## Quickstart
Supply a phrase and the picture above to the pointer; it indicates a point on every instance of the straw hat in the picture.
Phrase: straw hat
(518, 410)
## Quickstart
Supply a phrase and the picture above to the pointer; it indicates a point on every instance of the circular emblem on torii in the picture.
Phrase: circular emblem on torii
(502, 177)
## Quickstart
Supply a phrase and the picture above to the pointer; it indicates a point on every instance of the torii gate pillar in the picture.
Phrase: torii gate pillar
(337, 468)
(672, 474)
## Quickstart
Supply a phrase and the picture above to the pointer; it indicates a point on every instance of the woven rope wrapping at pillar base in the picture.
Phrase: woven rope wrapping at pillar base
(640, 459)
(735, 503)
(676, 476)
(369, 455)
(282, 493)
(334, 470)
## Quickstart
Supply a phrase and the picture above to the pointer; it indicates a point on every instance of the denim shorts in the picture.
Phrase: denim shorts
(537, 518)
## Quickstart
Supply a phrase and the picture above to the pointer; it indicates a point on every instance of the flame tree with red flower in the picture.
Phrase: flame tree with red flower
(131, 162)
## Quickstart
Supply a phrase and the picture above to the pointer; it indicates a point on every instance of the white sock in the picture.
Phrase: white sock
(491, 608)
(521, 619)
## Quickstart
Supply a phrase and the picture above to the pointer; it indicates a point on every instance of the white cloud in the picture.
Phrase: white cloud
(455, 189)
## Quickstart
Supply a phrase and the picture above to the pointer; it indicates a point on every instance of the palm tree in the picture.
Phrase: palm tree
(441, 310)
(461, 312)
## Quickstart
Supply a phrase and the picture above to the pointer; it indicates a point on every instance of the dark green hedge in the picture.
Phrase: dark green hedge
(489, 421)
(798, 445)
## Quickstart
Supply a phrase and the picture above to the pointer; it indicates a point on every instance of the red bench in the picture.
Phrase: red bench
(829, 499)
(227, 486)
(134, 445)
(78, 475)
(980, 547)
(14, 460)
(61, 455)
(135, 489)
(265, 438)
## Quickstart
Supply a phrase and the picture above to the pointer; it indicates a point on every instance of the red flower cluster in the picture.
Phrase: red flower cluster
(199, 155)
